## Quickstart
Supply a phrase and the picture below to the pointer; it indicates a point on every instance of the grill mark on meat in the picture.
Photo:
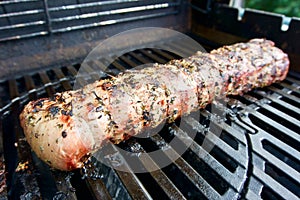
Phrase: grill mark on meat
(75, 123)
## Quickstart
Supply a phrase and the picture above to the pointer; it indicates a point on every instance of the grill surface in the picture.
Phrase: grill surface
(256, 156)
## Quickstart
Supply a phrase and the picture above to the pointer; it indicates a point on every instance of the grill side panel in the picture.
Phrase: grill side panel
(60, 33)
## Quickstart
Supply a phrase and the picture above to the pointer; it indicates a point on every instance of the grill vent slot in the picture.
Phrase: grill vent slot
(279, 119)
(291, 101)
(283, 178)
(275, 132)
(285, 110)
(282, 155)
(268, 193)
(202, 168)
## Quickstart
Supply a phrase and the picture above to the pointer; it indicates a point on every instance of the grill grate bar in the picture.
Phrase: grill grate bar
(281, 114)
(87, 70)
(230, 178)
(24, 36)
(141, 59)
(292, 80)
(113, 21)
(13, 89)
(152, 56)
(257, 141)
(64, 186)
(30, 87)
(284, 130)
(285, 94)
(234, 133)
(29, 84)
(133, 185)
(92, 4)
(98, 189)
(72, 70)
(47, 84)
(220, 169)
(62, 79)
(213, 139)
(23, 25)
(167, 56)
(273, 185)
(112, 12)
(15, 1)
(188, 170)
(158, 175)
(292, 87)
(167, 185)
(118, 66)
(98, 65)
(182, 44)
(276, 99)
(178, 48)
(27, 12)
(129, 62)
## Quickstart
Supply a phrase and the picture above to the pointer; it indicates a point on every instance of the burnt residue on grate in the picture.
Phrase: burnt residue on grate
(255, 155)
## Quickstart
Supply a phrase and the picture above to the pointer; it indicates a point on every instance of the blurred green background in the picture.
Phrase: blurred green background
(289, 8)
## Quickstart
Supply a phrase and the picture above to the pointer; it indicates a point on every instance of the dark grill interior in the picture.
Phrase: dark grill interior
(256, 156)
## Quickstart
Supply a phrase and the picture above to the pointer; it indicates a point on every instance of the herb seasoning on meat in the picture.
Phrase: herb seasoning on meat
(76, 123)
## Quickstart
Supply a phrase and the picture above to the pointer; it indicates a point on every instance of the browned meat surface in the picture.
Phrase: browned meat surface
(62, 131)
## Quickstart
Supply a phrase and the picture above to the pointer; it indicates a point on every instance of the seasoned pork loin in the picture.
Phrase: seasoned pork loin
(64, 130)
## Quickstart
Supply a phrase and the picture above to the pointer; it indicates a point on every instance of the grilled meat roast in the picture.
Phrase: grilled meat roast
(63, 130)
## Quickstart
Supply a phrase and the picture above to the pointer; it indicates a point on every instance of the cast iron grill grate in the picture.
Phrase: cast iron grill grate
(256, 155)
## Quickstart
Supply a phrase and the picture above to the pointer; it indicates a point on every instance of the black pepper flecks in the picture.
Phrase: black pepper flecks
(60, 125)
(98, 98)
(64, 112)
(146, 116)
(54, 110)
(67, 113)
(99, 109)
(39, 103)
(64, 134)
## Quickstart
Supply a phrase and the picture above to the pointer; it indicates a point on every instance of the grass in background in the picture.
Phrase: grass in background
(289, 8)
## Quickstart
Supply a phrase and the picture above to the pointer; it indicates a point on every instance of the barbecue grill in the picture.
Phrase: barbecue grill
(257, 155)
